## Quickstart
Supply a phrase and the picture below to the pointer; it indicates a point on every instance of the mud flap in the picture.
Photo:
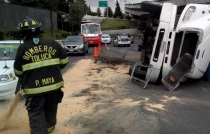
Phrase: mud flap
(180, 69)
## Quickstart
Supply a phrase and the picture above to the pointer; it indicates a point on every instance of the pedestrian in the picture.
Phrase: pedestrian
(38, 65)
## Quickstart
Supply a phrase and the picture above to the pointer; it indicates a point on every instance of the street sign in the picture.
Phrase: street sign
(103, 4)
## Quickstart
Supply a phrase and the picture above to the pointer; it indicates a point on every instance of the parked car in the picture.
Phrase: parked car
(75, 44)
(105, 38)
(122, 40)
(60, 42)
(8, 80)
(129, 36)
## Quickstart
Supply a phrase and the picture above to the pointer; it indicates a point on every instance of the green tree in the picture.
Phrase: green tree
(94, 14)
(98, 11)
(76, 12)
(118, 11)
(110, 12)
(73, 10)
(89, 10)
(63, 5)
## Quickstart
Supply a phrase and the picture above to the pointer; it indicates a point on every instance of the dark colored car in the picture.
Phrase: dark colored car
(75, 44)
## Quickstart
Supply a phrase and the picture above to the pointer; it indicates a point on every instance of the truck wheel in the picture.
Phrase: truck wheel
(141, 74)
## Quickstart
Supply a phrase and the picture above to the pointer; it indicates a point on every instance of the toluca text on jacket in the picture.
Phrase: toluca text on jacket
(32, 53)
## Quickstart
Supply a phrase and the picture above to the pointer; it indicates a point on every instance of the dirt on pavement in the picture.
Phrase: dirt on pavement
(97, 100)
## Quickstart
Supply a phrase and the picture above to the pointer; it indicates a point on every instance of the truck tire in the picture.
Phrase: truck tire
(138, 73)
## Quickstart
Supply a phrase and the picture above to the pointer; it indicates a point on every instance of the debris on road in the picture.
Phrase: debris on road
(98, 98)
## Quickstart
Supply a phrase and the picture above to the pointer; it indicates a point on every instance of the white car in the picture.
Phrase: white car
(105, 38)
(129, 36)
(122, 40)
(8, 80)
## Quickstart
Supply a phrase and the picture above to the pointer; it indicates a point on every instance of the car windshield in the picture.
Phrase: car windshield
(124, 34)
(105, 36)
(8, 50)
(124, 37)
(74, 39)
(90, 29)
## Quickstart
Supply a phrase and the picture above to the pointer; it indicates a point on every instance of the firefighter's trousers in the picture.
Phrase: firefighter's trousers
(42, 111)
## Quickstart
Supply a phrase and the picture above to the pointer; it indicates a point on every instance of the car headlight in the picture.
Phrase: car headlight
(189, 13)
(4, 77)
(81, 46)
(63, 46)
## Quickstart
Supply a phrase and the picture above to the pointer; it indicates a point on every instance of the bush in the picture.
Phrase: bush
(58, 35)
(127, 17)
(61, 33)
(12, 34)
(121, 17)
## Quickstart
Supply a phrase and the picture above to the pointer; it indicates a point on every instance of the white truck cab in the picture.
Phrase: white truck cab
(176, 35)
(192, 35)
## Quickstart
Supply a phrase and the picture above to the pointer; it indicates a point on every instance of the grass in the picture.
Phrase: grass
(114, 24)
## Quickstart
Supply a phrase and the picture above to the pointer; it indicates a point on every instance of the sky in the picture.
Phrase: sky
(94, 4)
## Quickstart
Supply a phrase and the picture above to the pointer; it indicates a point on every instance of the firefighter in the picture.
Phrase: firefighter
(38, 65)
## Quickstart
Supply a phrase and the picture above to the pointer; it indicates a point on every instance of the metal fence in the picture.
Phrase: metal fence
(11, 15)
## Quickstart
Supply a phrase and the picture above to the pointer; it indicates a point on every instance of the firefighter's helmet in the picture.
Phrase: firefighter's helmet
(28, 24)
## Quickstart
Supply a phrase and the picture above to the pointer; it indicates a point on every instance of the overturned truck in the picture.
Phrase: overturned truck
(176, 45)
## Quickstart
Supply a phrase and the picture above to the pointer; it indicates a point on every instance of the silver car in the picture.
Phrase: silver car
(122, 41)
(75, 44)
(129, 36)
(105, 38)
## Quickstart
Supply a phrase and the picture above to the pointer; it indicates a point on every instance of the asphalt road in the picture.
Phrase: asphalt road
(185, 110)
(189, 114)
(76, 57)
